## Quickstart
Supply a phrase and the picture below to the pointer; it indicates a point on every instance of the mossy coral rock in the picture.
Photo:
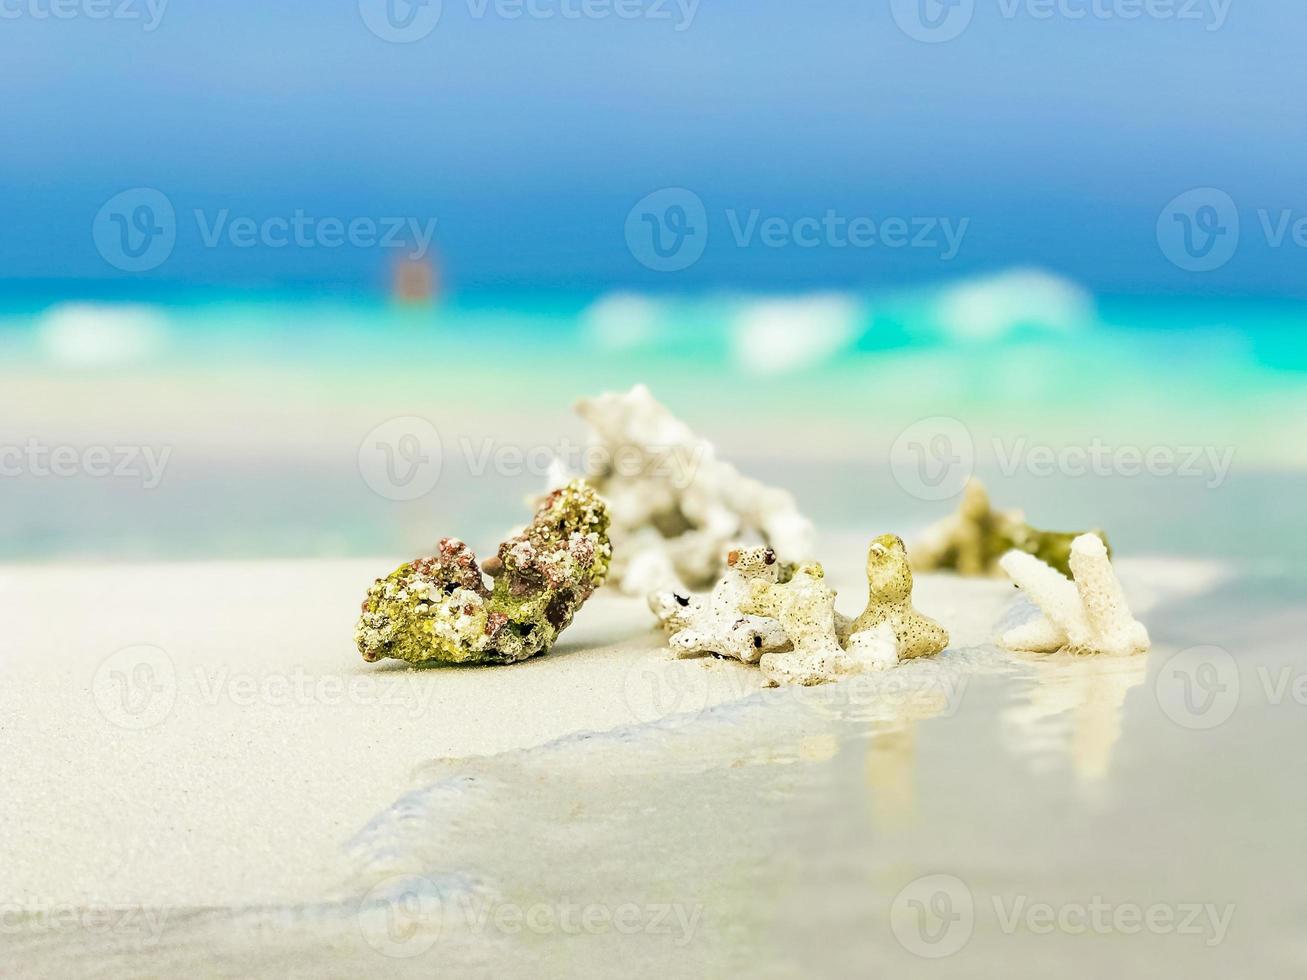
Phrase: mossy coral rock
(972, 541)
(440, 609)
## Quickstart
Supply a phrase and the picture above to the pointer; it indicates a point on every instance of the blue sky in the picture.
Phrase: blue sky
(1057, 130)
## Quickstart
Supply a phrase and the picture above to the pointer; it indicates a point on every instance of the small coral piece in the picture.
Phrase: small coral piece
(717, 625)
(779, 616)
(1086, 615)
(439, 609)
(677, 610)
(889, 600)
(874, 649)
(805, 608)
(972, 541)
(676, 507)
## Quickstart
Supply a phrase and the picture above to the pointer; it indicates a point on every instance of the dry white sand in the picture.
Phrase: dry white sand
(206, 734)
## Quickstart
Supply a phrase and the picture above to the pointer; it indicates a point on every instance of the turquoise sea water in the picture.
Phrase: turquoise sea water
(255, 405)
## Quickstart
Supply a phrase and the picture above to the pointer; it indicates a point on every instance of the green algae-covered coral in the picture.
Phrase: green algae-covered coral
(439, 609)
(889, 600)
(972, 541)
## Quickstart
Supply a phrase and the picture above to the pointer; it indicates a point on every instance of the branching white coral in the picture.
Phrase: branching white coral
(1084, 615)
(717, 624)
(675, 505)
(762, 610)
(805, 608)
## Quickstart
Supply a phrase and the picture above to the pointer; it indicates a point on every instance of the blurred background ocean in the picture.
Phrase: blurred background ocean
(811, 230)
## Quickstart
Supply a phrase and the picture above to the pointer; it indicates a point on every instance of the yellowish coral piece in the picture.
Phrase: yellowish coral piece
(889, 600)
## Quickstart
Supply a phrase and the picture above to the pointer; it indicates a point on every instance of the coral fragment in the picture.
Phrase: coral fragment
(971, 541)
(1083, 615)
(439, 609)
(889, 600)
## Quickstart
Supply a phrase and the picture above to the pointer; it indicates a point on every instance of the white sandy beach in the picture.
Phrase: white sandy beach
(206, 734)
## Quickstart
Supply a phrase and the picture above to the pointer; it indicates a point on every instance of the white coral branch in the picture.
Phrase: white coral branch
(1088, 615)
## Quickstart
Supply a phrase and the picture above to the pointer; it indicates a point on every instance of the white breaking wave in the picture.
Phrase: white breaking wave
(990, 308)
(89, 335)
(775, 336)
(621, 321)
